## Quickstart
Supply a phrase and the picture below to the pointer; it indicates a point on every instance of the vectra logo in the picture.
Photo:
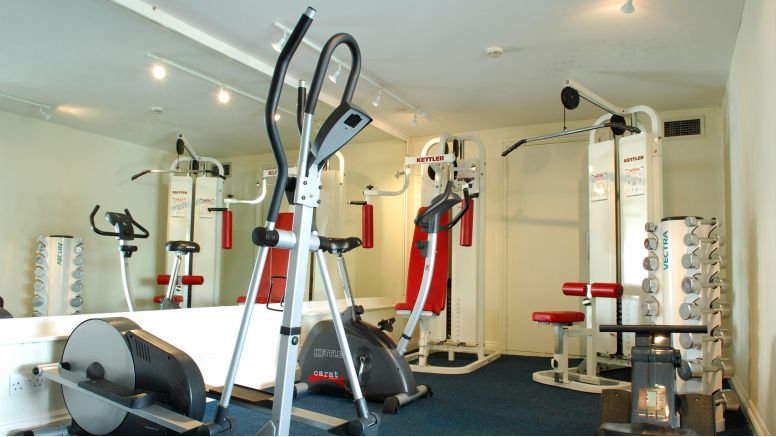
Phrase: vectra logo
(327, 353)
(423, 159)
(665, 250)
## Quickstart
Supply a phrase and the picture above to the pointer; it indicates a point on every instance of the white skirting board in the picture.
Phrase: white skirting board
(758, 425)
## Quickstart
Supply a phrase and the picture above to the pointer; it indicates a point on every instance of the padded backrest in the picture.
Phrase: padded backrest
(604, 289)
(575, 289)
(276, 268)
(437, 294)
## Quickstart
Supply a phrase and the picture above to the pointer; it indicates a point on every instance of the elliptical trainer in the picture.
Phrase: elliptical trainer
(383, 372)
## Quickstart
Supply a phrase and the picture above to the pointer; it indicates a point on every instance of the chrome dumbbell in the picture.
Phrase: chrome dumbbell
(727, 398)
(650, 285)
(693, 261)
(690, 369)
(649, 308)
(650, 243)
(692, 222)
(651, 263)
(693, 284)
(724, 365)
(691, 239)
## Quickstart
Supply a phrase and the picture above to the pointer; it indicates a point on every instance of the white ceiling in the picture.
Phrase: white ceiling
(88, 57)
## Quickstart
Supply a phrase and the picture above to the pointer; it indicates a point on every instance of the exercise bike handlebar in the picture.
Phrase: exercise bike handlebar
(131, 221)
(273, 98)
(323, 65)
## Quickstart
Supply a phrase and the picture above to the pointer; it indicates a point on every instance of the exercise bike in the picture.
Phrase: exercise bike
(652, 406)
(383, 372)
(124, 226)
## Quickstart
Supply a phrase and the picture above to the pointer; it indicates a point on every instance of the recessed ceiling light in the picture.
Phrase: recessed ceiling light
(156, 110)
(223, 96)
(277, 116)
(159, 72)
(494, 52)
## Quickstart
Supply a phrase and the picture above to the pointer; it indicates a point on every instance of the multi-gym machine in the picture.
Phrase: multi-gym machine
(624, 193)
(451, 322)
(195, 195)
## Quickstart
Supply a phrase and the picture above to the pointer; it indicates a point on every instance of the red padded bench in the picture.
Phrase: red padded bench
(561, 322)
(182, 280)
(275, 268)
(176, 298)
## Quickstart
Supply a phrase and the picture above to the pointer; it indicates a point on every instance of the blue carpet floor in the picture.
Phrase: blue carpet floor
(498, 399)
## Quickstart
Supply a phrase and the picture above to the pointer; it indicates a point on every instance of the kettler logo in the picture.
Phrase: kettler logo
(425, 159)
(327, 353)
(634, 158)
(180, 192)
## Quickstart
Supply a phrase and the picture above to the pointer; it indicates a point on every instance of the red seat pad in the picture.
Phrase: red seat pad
(185, 280)
(558, 316)
(175, 298)
(603, 289)
(437, 294)
(575, 289)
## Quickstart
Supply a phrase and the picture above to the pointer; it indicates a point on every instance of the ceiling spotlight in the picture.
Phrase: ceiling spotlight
(425, 115)
(158, 72)
(223, 96)
(414, 121)
(376, 101)
(333, 77)
(278, 45)
(627, 7)
(277, 116)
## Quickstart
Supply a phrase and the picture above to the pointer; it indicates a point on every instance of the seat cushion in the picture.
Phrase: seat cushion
(558, 316)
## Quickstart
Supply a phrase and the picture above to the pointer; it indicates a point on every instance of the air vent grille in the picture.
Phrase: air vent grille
(683, 128)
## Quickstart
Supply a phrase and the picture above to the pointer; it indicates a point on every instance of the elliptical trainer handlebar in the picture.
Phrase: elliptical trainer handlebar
(273, 97)
(443, 203)
(125, 224)
(323, 65)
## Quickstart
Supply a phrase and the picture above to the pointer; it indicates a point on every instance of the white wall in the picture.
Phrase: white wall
(380, 271)
(751, 157)
(52, 177)
(536, 220)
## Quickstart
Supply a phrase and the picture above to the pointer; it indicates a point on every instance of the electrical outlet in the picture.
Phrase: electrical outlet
(20, 383)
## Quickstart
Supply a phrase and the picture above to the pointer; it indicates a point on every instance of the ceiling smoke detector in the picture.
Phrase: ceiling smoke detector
(156, 110)
(494, 52)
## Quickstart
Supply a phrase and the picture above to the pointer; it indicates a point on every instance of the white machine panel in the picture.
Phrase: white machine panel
(207, 233)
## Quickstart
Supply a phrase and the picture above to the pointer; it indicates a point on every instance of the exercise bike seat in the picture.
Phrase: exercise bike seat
(611, 428)
(182, 246)
(341, 245)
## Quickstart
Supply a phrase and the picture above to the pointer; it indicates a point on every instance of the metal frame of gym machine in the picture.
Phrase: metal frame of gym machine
(613, 216)
(184, 203)
(475, 304)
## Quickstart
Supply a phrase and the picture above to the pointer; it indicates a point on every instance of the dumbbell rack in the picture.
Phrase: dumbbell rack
(684, 287)
(58, 276)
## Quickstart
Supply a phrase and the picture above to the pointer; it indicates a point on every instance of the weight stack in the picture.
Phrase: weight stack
(59, 276)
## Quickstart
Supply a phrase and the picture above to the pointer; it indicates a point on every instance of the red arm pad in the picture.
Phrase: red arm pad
(467, 224)
(603, 289)
(192, 280)
(185, 280)
(226, 230)
(367, 226)
(575, 289)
